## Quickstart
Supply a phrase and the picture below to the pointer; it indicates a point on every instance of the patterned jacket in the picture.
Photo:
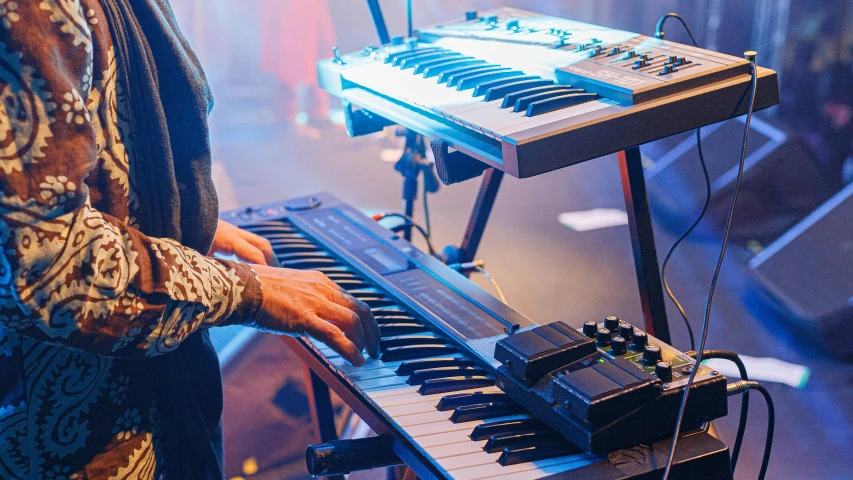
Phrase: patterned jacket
(86, 299)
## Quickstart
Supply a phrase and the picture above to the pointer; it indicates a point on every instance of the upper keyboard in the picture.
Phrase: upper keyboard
(529, 93)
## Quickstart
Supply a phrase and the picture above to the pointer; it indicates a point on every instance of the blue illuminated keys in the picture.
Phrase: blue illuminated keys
(450, 64)
(485, 86)
(474, 80)
(516, 85)
(453, 80)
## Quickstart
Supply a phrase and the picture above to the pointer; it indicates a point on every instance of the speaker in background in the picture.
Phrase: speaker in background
(807, 274)
(783, 181)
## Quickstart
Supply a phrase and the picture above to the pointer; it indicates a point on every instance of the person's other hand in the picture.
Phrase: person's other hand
(297, 302)
(251, 248)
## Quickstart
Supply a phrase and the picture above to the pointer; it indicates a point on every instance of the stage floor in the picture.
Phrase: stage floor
(547, 272)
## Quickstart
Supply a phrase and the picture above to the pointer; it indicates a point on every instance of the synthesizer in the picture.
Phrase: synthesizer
(435, 387)
(528, 93)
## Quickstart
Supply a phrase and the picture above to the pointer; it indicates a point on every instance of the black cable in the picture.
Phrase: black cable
(659, 29)
(744, 386)
(408, 223)
(684, 236)
(744, 402)
(716, 270)
(426, 210)
(660, 34)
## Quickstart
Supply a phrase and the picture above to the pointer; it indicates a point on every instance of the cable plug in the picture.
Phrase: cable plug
(468, 267)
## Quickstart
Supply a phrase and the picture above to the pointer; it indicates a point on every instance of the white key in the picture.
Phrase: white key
(493, 470)
(410, 409)
(391, 401)
(447, 438)
(421, 418)
(392, 381)
(454, 449)
(468, 460)
(390, 391)
(357, 375)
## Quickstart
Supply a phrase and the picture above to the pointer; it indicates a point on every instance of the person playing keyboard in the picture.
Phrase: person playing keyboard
(108, 220)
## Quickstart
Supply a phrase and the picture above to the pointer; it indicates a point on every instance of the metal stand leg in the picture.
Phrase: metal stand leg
(643, 243)
(321, 409)
(480, 214)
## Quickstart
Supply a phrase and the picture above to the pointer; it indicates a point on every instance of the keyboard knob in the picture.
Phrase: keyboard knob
(472, 15)
(640, 341)
(626, 331)
(630, 54)
(590, 329)
(663, 370)
(602, 338)
(615, 51)
(652, 354)
(512, 24)
(618, 346)
(667, 69)
(640, 63)
(398, 40)
(612, 322)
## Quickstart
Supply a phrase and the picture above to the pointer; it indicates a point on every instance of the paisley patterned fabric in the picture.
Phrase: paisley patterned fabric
(85, 297)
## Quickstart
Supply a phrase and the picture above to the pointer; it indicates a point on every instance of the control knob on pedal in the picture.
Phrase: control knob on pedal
(640, 341)
(663, 370)
(612, 322)
(618, 346)
(590, 328)
(602, 338)
(626, 331)
(652, 355)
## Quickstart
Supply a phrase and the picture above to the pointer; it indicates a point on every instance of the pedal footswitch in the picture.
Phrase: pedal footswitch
(531, 354)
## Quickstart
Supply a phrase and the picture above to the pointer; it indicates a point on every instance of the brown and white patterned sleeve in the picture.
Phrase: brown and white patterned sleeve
(69, 274)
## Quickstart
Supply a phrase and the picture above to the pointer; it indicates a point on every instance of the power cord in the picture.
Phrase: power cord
(744, 386)
(744, 403)
(684, 236)
(477, 265)
(754, 74)
(659, 33)
(407, 223)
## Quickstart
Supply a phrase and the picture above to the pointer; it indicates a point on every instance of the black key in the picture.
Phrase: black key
(295, 248)
(453, 384)
(522, 103)
(396, 58)
(556, 103)
(469, 413)
(437, 70)
(454, 79)
(290, 257)
(412, 62)
(406, 368)
(511, 98)
(287, 238)
(474, 80)
(338, 273)
(395, 319)
(445, 76)
(514, 455)
(417, 351)
(420, 376)
(452, 402)
(375, 301)
(391, 312)
(516, 85)
(264, 230)
(486, 430)
(353, 284)
(422, 66)
(522, 439)
(483, 88)
(395, 329)
(401, 340)
(311, 264)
